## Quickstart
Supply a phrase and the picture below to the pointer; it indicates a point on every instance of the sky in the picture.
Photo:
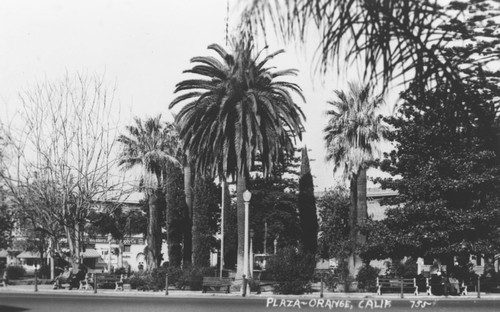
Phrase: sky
(141, 48)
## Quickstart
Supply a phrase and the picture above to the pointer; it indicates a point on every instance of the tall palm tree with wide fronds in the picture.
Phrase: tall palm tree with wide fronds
(352, 134)
(400, 39)
(238, 108)
(150, 145)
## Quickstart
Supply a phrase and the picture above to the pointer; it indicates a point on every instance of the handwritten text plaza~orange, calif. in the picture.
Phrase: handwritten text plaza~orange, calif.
(327, 304)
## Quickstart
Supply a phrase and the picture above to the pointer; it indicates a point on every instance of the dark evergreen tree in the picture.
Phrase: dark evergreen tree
(449, 185)
(175, 208)
(230, 230)
(307, 207)
(205, 215)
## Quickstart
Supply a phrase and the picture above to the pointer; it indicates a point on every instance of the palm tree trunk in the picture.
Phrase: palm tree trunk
(358, 217)
(240, 213)
(353, 188)
(352, 261)
(188, 215)
(154, 231)
(361, 206)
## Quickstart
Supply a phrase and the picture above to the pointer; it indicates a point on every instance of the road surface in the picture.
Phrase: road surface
(17, 302)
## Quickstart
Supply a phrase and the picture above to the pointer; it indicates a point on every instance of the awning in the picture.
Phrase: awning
(91, 253)
(29, 255)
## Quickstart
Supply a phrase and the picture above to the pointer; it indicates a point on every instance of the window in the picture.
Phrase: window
(428, 260)
(126, 248)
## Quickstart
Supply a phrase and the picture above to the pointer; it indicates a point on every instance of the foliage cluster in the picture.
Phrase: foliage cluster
(405, 269)
(366, 278)
(6, 224)
(294, 277)
(15, 272)
(118, 223)
(334, 240)
(190, 276)
(450, 179)
(205, 217)
(44, 271)
(279, 210)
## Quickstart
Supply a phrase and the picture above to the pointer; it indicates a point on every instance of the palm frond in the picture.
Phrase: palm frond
(353, 129)
(239, 115)
(394, 38)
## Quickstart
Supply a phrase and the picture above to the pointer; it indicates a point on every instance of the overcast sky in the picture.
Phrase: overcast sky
(141, 47)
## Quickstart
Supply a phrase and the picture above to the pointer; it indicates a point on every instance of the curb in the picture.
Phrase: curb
(235, 294)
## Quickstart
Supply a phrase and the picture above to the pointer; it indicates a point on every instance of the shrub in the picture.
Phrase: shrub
(157, 280)
(120, 271)
(139, 281)
(490, 282)
(292, 271)
(406, 269)
(15, 272)
(174, 273)
(44, 271)
(339, 278)
(254, 285)
(330, 279)
(192, 276)
(366, 278)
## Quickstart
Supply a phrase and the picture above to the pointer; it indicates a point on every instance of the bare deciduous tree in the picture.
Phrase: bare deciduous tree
(63, 154)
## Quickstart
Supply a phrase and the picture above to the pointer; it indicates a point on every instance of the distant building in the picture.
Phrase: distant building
(100, 252)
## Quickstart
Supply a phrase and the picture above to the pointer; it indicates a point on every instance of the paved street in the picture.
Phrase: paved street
(13, 301)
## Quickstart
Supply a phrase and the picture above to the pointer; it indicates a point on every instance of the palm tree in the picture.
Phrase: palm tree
(351, 136)
(149, 146)
(238, 109)
(394, 38)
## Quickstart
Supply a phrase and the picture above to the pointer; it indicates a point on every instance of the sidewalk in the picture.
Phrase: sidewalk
(174, 293)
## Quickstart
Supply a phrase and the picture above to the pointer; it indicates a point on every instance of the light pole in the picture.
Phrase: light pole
(50, 255)
(246, 197)
(36, 275)
(251, 253)
(109, 252)
(223, 186)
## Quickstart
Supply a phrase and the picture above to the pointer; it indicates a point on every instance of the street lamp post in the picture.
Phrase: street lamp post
(109, 252)
(251, 253)
(246, 197)
(36, 275)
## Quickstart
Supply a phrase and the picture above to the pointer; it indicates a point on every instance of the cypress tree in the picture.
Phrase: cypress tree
(307, 206)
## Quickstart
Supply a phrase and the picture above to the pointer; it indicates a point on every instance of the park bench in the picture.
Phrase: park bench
(69, 283)
(445, 288)
(87, 283)
(106, 279)
(261, 284)
(464, 288)
(216, 283)
(401, 284)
